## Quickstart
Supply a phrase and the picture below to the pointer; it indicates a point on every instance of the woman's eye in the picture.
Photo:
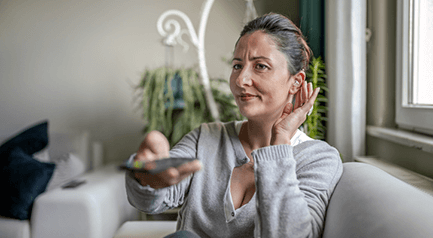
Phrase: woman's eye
(237, 66)
(261, 66)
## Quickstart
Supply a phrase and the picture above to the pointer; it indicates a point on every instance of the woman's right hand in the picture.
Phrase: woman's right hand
(155, 146)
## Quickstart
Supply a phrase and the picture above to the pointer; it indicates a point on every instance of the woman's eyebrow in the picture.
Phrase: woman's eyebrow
(260, 57)
(253, 58)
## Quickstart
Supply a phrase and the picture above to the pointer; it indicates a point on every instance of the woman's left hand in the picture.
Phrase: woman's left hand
(293, 117)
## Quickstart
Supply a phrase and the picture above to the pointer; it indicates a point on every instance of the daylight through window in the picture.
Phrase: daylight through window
(422, 79)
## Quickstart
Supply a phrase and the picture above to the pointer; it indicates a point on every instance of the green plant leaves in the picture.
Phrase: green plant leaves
(158, 101)
(314, 126)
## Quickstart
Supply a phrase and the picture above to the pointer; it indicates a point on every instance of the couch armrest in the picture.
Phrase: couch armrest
(95, 209)
(10, 227)
(370, 203)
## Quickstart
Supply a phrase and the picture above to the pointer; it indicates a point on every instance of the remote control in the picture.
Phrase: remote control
(160, 165)
(73, 184)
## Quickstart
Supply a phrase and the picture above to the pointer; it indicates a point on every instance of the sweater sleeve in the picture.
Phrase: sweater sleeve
(154, 201)
(294, 185)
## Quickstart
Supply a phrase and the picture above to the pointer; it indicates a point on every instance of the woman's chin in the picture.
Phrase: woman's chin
(255, 114)
(252, 114)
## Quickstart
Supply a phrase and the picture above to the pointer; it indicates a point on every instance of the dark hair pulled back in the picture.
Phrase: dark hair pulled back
(286, 35)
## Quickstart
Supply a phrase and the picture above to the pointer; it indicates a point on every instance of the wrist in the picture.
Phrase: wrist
(278, 140)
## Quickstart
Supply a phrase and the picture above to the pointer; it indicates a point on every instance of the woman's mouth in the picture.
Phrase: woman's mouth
(247, 97)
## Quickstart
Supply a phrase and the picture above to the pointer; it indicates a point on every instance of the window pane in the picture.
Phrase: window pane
(412, 60)
(423, 53)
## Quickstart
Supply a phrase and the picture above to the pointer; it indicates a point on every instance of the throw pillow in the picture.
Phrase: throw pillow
(22, 179)
(30, 141)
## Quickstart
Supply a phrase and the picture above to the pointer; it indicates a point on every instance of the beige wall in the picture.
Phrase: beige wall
(75, 62)
(289, 8)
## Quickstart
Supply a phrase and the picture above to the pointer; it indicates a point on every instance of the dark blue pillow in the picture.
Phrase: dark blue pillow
(31, 140)
(22, 179)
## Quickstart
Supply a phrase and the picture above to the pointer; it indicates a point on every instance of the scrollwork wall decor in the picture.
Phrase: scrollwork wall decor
(175, 37)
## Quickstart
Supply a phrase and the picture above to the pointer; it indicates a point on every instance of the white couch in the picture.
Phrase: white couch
(367, 203)
(95, 209)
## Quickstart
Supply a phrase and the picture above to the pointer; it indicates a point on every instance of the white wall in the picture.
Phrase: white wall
(75, 62)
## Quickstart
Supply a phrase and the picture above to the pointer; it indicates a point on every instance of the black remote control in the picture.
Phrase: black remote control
(160, 165)
(73, 184)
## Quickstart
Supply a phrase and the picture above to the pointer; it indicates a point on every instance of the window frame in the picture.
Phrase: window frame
(408, 116)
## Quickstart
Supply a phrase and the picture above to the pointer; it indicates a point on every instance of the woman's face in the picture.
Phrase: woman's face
(260, 80)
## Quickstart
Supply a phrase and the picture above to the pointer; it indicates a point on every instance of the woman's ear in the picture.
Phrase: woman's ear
(299, 80)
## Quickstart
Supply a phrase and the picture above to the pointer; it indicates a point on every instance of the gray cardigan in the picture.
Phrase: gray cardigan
(293, 187)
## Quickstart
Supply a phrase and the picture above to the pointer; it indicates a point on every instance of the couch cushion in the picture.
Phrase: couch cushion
(368, 202)
(75, 142)
(68, 167)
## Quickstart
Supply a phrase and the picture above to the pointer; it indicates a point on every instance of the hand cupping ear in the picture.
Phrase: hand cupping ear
(293, 116)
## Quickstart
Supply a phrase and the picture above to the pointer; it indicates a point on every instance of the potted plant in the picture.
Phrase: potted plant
(315, 124)
(173, 101)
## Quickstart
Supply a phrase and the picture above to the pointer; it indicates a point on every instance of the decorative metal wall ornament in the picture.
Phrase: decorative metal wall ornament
(250, 12)
(175, 37)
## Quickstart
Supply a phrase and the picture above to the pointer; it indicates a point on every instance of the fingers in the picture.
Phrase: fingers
(186, 169)
(305, 93)
(169, 177)
(310, 103)
(310, 90)
(155, 145)
(288, 108)
(174, 175)
(298, 97)
(145, 155)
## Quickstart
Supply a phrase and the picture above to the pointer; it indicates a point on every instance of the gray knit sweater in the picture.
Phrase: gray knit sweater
(293, 187)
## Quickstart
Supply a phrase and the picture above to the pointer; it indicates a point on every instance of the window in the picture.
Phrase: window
(414, 104)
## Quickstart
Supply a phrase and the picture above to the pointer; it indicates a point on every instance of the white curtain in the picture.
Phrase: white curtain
(346, 70)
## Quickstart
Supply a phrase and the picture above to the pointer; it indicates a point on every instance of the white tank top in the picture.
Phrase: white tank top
(298, 138)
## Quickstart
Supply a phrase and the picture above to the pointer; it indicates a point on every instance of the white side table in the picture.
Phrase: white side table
(146, 229)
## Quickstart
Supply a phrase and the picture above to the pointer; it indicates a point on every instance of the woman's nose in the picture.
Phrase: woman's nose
(244, 80)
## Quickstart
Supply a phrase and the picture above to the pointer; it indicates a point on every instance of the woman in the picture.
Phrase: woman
(261, 177)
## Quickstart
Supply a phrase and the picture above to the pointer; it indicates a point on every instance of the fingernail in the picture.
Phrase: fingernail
(199, 165)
